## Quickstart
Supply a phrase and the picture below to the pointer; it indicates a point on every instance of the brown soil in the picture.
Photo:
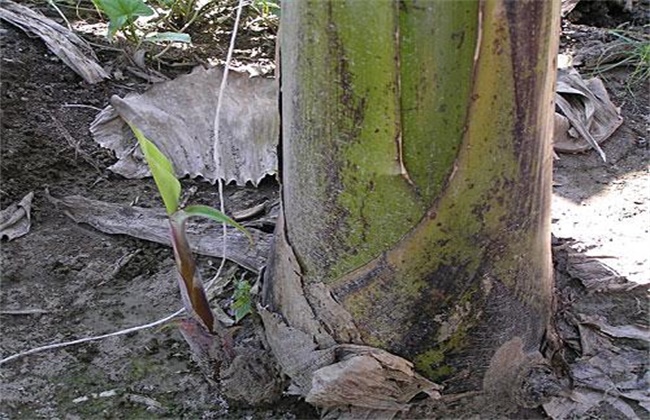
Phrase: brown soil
(68, 271)
(605, 205)
(77, 276)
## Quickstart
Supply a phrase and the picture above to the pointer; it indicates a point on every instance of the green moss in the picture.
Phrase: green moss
(442, 372)
(380, 204)
(24, 411)
(139, 369)
(469, 297)
(429, 364)
(428, 361)
(88, 380)
(85, 381)
(432, 362)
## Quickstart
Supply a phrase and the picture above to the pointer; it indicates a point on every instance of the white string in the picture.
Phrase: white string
(222, 88)
(113, 334)
(217, 114)
(222, 208)
(88, 339)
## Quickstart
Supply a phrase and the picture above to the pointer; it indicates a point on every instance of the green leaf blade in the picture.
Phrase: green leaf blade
(214, 214)
(128, 9)
(162, 171)
(168, 37)
(122, 12)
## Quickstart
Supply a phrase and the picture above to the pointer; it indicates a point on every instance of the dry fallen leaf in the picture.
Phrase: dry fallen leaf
(178, 116)
(586, 115)
(15, 220)
(71, 49)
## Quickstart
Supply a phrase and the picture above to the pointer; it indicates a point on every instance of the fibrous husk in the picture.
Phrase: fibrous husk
(370, 378)
(252, 377)
(586, 116)
(15, 220)
(179, 117)
(71, 49)
(347, 380)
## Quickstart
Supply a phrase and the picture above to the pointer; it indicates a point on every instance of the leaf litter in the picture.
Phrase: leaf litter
(152, 225)
(178, 116)
(606, 329)
(586, 116)
(71, 49)
(15, 220)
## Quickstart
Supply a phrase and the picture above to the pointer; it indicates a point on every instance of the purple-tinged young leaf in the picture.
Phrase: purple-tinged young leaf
(192, 290)
(207, 347)
(191, 285)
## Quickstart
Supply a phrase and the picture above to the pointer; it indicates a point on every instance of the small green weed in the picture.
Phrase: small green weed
(122, 15)
(634, 50)
(266, 14)
(265, 8)
(241, 300)
(184, 12)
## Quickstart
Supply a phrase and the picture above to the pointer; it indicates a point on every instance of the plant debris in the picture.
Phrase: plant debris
(152, 225)
(586, 115)
(604, 325)
(71, 49)
(15, 220)
(179, 118)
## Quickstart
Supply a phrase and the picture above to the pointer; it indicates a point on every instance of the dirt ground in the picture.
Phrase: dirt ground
(81, 281)
(66, 273)
(604, 205)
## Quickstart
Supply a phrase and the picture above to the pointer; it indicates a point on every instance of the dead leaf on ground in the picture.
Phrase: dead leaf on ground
(622, 331)
(15, 220)
(178, 116)
(153, 225)
(568, 6)
(586, 116)
(71, 49)
(611, 369)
